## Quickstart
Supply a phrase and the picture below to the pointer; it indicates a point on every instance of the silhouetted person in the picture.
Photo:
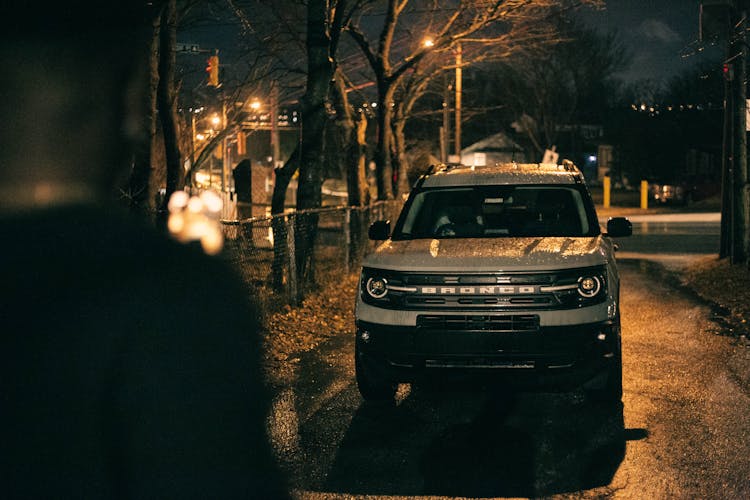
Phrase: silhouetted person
(129, 363)
(243, 186)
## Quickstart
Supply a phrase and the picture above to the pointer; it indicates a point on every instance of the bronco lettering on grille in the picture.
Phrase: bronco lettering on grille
(477, 290)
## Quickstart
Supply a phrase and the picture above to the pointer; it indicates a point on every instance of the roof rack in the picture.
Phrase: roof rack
(569, 166)
(441, 167)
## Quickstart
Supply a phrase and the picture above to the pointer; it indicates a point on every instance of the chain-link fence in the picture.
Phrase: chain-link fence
(282, 258)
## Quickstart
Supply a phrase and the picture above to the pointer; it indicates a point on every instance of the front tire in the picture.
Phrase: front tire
(611, 392)
(371, 381)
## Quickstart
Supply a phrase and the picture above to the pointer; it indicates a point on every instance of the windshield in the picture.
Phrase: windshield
(497, 211)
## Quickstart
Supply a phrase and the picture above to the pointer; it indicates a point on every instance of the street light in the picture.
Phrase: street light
(273, 116)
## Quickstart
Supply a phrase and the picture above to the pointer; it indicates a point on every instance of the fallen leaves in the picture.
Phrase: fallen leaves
(292, 331)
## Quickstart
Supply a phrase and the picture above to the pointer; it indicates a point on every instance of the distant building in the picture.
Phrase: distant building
(497, 148)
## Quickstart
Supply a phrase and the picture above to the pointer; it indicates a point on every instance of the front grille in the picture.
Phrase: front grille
(478, 301)
(480, 363)
(494, 323)
(509, 292)
(433, 279)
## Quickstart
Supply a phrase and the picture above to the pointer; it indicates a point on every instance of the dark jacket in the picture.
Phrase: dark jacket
(130, 366)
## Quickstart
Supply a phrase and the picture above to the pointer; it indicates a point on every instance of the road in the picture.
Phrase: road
(683, 431)
(672, 240)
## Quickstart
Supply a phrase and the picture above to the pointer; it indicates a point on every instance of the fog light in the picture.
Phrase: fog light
(364, 336)
(602, 336)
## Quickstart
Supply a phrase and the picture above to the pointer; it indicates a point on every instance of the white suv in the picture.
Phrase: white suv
(498, 271)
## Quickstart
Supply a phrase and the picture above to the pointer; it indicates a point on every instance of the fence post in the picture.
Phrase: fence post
(291, 260)
(347, 238)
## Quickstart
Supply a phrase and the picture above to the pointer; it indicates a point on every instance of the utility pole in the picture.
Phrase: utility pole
(445, 130)
(727, 20)
(459, 85)
(739, 206)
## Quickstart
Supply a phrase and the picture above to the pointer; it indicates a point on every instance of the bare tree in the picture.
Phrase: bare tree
(323, 21)
(567, 82)
(502, 25)
(141, 188)
(167, 101)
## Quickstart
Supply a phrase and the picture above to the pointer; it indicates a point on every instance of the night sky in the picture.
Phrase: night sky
(662, 35)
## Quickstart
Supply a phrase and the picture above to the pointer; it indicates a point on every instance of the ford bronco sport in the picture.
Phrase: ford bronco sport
(499, 271)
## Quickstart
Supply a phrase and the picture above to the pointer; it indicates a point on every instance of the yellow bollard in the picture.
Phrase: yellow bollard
(606, 186)
(644, 195)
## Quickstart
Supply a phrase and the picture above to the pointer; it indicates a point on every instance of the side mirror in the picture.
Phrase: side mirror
(618, 227)
(379, 230)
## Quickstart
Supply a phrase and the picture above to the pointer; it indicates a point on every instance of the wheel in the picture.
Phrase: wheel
(372, 385)
(611, 392)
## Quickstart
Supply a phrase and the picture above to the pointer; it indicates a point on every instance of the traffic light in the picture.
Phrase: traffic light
(728, 71)
(212, 69)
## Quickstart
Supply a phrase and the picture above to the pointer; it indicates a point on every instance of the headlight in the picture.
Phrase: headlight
(377, 287)
(589, 286)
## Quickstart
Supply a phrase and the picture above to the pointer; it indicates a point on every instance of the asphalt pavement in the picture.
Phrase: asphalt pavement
(673, 240)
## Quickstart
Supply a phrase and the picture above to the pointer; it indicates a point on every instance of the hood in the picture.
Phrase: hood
(489, 254)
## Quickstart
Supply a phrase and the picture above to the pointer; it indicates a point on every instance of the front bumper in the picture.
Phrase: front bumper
(532, 358)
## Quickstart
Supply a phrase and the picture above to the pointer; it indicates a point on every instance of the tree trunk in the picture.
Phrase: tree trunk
(314, 116)
(142, 193)
(358, 188)
(351, 140)
(400, 159)
(282, 178)
(384, 170)
(167, 102)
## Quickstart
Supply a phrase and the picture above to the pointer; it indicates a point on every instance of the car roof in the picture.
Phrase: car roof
(501, 174)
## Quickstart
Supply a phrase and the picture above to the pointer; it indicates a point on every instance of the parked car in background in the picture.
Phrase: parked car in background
(684, 191)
